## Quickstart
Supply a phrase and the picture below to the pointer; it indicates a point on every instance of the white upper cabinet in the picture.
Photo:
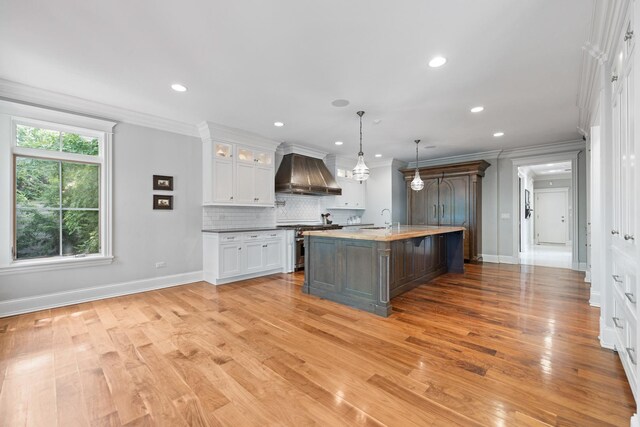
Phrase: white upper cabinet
(238, 167)
(353, 192)
(623, 221)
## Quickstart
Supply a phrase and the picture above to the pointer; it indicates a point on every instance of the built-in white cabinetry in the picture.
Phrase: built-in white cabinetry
(621, 304)
(353, 192)
(237, 167)
(228, 257)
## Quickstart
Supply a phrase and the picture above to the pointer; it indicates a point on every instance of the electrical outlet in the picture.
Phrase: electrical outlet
(161, 264)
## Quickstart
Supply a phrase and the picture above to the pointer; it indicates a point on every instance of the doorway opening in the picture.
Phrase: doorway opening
(546, 214)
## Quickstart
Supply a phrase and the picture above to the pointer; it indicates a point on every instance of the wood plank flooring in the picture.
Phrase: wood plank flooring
(498, 346)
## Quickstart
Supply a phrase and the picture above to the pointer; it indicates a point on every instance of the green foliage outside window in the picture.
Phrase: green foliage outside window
(57, 202)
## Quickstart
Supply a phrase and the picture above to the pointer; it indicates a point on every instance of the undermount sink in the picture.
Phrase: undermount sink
(372, 228)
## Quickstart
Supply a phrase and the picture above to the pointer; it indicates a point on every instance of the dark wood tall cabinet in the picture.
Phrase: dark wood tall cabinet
(452, 195)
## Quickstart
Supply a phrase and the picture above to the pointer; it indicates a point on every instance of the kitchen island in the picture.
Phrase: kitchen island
(366, 268)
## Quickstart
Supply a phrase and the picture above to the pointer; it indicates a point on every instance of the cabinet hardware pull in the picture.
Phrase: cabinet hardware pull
(239, 249)
(628, 237)
(615, 322)
(628, 36)
(616, 278)
(614, 79)
(231, 198)
(264, 246)
(615, 232)
(442, 211)
(631, 351)
(630, 297)
(435, 213)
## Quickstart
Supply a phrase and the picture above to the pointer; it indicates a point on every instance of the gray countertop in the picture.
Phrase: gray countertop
(239, 230)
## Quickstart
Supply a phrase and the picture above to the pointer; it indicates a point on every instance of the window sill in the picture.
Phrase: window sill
(33, 266)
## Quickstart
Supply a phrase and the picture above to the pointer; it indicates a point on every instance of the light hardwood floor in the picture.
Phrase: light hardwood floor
(499, 346)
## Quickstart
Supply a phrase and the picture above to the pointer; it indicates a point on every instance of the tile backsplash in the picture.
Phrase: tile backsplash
(297, 209)
(307, 209)
(237, 217)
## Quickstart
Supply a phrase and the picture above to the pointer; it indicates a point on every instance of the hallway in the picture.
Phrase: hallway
(547, 255)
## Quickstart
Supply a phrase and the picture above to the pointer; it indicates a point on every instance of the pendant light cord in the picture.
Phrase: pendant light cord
(417, 141)
(360, 113)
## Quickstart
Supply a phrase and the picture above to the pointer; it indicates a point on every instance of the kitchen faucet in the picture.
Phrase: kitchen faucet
(386, 224)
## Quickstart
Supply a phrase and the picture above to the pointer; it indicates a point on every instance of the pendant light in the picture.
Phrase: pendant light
(417, 184)
(361, 171)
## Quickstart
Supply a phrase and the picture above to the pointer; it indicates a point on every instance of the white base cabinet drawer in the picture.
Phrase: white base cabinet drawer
(231, 257)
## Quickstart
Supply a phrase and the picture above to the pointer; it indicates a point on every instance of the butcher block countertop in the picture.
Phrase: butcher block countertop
(385, 235)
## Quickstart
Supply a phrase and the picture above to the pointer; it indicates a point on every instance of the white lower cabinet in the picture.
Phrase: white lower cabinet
(229, 257)
(230, 260)
(624, 314)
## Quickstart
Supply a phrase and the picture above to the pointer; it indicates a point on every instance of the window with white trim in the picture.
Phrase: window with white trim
(60, 190)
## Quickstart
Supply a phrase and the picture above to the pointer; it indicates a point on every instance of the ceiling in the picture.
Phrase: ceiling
(250, 63)
(550, 169)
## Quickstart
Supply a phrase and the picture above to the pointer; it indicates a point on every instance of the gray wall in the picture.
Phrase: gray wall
(141, 236)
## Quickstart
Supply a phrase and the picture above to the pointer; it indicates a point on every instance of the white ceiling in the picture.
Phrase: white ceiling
(551, 169)
(252, 62)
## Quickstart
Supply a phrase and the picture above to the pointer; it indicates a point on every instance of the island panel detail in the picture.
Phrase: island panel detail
(367, 274)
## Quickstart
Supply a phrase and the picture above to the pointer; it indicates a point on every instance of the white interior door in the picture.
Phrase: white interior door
(551, 217)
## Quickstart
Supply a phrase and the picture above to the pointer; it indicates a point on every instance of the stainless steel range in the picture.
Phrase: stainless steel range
(299, 229)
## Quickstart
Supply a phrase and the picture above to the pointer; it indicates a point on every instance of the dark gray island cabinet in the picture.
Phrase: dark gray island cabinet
(365, 269)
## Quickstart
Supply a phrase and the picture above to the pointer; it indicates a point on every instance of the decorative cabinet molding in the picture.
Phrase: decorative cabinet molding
(452, 195)
(237, 167)
(229, 257)
(353, 192)
(620, 306)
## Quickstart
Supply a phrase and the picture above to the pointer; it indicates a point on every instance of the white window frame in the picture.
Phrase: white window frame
(19, 114)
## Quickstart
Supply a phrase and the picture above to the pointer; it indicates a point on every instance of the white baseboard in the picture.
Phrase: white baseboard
(594, 299)
(210, 278)
(587, 276)
(59, 299)
(579, 266)
(490, 258)
(635, 421)
(502, 259)
(607, 336)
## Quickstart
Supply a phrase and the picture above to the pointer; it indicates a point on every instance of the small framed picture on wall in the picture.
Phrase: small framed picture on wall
(162, 202)
(162, 182)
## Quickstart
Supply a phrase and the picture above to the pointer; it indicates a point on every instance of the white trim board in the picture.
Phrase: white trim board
(18, 92)
(60, 299)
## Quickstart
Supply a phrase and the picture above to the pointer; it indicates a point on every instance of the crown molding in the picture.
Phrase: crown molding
(18, 92)
(210, 131)
(607, 20)
(483, 155)
(290, 148)
(537, 150)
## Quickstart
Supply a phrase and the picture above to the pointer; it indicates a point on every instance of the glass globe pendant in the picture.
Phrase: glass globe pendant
(417, 184)
(361, 171)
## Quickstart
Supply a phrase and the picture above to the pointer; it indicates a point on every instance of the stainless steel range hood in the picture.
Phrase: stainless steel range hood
(300, 174)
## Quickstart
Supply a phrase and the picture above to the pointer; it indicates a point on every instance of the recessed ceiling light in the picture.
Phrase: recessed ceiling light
(178, 87)
(550, 164)
(340, 102)
(278, 124)
(498, 134)
(378, 155)
(377, 121)
(477, 109)
(338, 142)
(437, 61)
